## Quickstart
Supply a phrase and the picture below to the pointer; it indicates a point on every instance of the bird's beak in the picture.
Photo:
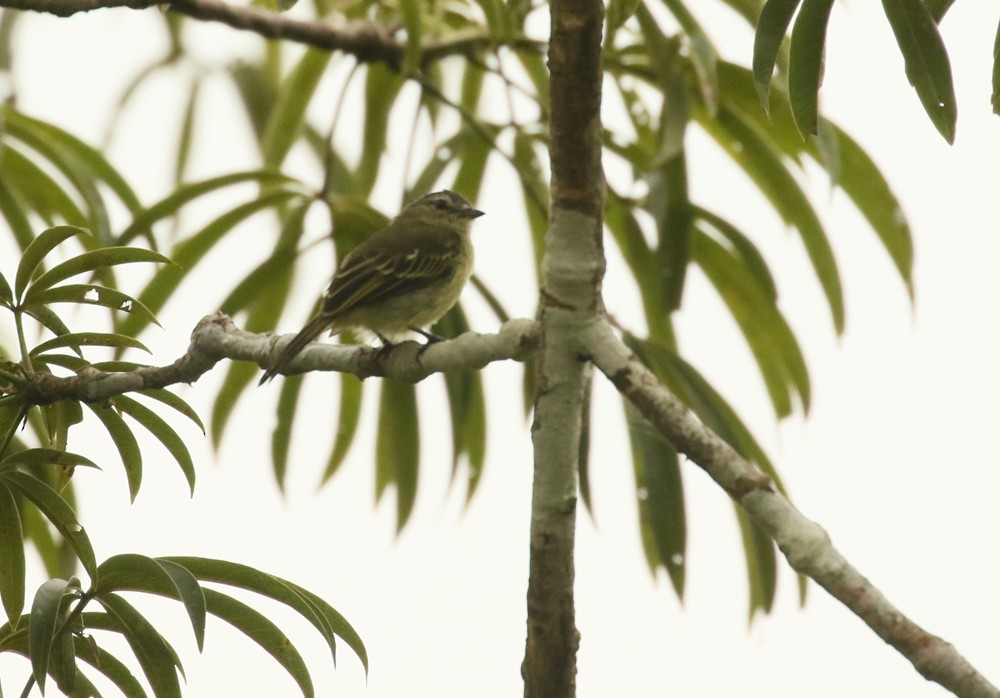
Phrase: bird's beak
(472, 213)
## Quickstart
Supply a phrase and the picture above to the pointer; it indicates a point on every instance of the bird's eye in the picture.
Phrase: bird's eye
(440, 204)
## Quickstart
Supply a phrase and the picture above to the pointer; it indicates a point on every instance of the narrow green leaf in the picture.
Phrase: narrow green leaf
(319, 613)
(39, 139)
(90, 261)
(12, 571)
(927, 66)
(163, 432)
(124, 440)
(110, 666)
(265, 633)
(88, 294)
(262, 316)
(995, 97)
(189, 252)
(261, 280)
(862, 181)
(332, 622)
(155, 656)
(58, 512)
(46, 612)
(466, 405)
(762, 567)
(671, 208)
(382, 86)
(91, 158)
(130, 572)
(47, 318)
(759, 160)
(744, 249)
(660, 498)
(684, 380)
(45, 456)
(37, 250)
(768, 335)
(281, 437)
(171, 400)
(89, 339)
(412, 12)
(351, 392)
(397, 446)
(142, 224)
(186, 136)
(703, 55)
(285, 122)
(6, 295)
(805, 64)
(771, 29)
(13, 209)
(38, 191)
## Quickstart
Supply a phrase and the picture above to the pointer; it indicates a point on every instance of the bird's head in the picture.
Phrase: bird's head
(445, 208)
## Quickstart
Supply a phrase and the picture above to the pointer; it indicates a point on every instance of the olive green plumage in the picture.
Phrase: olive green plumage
(403, 277)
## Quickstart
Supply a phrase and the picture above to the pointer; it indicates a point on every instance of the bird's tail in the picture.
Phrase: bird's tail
(308, 333)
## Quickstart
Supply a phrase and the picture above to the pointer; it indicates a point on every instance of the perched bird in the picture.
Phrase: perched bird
(403, 277)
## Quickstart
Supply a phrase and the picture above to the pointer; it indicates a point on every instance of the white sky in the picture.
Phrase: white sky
(895, 460)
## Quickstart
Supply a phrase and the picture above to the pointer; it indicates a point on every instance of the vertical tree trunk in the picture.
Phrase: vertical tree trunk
(572, 269)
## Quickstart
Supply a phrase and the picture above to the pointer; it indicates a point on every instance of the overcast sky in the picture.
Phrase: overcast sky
(896, 459)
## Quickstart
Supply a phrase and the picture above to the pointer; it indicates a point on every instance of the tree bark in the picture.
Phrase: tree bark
(572, 270)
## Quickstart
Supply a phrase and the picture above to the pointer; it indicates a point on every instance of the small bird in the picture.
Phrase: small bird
(403, 277)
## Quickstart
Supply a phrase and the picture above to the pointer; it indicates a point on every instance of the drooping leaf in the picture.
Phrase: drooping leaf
(466, 404)
(862, 181)
(284, 124)
(124, 440)
(131, 572)
(382, 86)
(771, 29)
(12, 571)
(805, 64)
(281, 437)
(397, 446)
(768, 335)
(57, 511)
(759, 160)
(163, 432)
(110, 666)
(262, 631)
(46, 615)
(927, 66)
(171, 400)
(155, 655)
(995, 96)
(319, 613)
(762, 565)
(348, 414)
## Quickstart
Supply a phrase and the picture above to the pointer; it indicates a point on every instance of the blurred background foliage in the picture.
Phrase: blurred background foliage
(469, 77)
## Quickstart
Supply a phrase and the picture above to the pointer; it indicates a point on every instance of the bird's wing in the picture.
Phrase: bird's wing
(370, 277)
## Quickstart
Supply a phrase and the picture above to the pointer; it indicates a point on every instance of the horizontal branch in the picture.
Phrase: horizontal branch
(367, 41)
(216, 337)
(803, 542)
